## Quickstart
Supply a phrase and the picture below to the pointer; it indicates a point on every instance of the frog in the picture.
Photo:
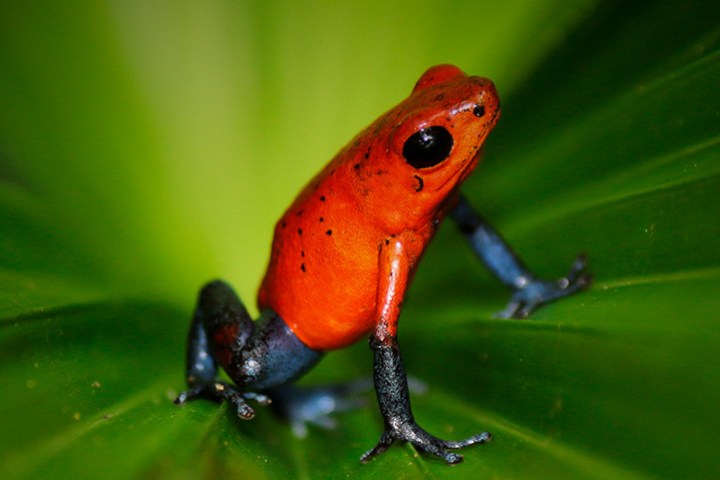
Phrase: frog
(343, 256)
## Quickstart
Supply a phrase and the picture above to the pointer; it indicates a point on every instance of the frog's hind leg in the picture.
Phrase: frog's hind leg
(315, 405)
(219, 313)
(257, 356)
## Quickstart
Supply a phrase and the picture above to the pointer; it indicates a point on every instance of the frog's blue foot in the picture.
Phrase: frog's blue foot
(316, 405)
(531, 293)
(219, 391)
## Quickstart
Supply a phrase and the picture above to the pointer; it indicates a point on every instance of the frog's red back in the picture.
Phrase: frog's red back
(323, 272)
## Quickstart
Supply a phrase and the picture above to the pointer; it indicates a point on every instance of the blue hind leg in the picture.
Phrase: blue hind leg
(315, 405)
(257, 356)
(262, 358)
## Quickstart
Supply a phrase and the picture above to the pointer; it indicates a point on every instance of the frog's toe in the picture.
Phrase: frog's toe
(412, 433)
(535, 292)
(303, 406)
(577, 278)
(192, 394)
(512, 309)
(219, 391)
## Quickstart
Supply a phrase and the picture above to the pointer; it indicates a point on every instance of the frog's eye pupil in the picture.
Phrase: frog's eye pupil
(428, 147)
(479, 111)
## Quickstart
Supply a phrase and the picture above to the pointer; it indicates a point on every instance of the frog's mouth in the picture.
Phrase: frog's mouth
(464, 172)
(471, 164)
(461, 173)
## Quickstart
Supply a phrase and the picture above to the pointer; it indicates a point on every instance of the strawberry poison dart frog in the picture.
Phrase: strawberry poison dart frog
(343, 256)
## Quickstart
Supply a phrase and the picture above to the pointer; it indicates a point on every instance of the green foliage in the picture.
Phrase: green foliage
(145, 149)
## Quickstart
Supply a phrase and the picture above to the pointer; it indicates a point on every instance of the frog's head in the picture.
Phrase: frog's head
(435, 137)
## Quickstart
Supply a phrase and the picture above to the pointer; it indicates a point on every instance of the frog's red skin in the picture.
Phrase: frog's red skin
(369, 214)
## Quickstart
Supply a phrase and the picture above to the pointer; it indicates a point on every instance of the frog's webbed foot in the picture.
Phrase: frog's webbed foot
(219, 391)
(315, 405)
(532, 293)
(426, 443)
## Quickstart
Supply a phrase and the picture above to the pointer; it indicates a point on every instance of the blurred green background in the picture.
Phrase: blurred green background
(146, 147)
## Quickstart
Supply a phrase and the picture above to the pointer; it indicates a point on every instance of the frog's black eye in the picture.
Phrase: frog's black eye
(479, 111)
(428, 147)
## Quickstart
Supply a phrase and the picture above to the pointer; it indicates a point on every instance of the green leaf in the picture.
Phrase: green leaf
(145, 149)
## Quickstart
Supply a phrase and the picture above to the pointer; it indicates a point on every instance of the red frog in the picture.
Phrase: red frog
(343, 256)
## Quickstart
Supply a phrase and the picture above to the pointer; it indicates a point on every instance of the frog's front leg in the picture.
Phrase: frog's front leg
(529, 292)
(257, 356)
(391, 385)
